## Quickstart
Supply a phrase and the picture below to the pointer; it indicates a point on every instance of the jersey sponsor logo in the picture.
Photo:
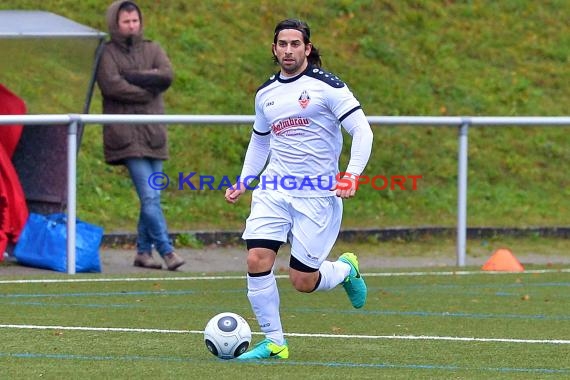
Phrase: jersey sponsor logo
(282, 126)
(304, 99)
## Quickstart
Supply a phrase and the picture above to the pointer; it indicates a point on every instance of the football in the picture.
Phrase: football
(227, 335)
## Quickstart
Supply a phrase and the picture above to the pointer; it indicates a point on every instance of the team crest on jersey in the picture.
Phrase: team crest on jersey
(304, 99)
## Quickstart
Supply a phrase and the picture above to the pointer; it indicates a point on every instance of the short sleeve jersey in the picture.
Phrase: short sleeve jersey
(303, 114)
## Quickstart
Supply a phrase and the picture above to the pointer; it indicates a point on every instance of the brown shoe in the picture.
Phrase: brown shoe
(173, 261)
(145, 260)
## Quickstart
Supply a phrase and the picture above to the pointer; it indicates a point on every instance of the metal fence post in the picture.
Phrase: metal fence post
(462, 194)
(71, 195)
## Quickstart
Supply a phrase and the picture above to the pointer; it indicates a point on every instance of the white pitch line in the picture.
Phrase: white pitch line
(113, 329)
(427, 337)
(336, 336)
(121, 279)
(196, 278)
(465, 273)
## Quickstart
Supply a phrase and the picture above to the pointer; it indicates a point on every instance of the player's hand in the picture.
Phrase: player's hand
(346, 187)
(234, 192)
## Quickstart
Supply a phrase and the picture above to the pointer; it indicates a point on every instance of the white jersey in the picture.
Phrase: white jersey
(303, 115)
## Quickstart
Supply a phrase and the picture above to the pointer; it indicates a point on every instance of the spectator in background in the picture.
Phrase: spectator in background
(133, 73)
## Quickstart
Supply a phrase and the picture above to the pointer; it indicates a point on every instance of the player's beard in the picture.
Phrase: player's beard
(291, 67)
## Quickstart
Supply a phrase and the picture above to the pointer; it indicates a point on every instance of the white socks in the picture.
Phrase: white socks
(332, 274)
(263, 296)
(264, 299)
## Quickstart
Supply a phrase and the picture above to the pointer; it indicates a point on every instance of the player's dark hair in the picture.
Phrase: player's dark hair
(314, 57)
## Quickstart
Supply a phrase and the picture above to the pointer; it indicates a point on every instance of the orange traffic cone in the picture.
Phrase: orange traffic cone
(503, 260)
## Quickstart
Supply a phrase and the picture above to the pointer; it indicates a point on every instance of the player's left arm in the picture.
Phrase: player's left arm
(359, 128)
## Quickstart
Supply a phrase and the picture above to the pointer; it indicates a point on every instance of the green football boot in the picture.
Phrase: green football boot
(354, 284)
(266, 349)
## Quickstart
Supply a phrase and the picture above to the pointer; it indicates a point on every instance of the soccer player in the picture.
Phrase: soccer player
(298, 114)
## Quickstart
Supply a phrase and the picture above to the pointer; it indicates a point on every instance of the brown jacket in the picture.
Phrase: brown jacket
(132, 74)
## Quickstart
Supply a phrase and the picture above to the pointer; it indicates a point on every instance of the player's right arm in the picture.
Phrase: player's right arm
(255, 159)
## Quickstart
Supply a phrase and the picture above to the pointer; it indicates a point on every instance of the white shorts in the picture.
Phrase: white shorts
(311, 225)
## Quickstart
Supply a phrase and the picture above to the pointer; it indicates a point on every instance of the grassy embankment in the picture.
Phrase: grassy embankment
(483, 58)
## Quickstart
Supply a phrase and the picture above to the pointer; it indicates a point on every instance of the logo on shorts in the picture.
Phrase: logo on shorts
(312, 258)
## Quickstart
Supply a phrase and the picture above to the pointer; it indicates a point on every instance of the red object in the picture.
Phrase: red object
(13, 208)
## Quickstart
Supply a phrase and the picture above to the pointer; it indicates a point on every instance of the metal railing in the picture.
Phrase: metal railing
(462, 122)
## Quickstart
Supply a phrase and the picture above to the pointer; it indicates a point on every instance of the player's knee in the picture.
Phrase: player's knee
(260, 260)
(261, 254)
(253, 259)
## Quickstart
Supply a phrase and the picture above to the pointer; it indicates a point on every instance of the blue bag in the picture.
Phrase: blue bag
(43, 244)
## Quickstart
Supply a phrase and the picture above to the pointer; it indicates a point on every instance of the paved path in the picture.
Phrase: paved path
(216, 259)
